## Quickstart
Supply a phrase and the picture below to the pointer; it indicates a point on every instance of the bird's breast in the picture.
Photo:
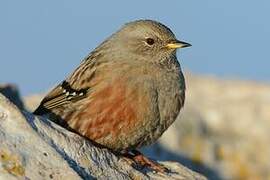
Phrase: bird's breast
(171, 97)
(129, 108)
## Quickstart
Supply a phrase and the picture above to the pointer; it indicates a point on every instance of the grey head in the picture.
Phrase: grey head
(143, 39)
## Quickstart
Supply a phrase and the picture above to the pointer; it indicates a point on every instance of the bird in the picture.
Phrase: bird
(125, 93)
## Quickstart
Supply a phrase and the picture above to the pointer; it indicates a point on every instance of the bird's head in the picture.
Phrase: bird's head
(146, 40)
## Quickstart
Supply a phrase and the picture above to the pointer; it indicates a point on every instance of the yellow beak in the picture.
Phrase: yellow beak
(177, 44)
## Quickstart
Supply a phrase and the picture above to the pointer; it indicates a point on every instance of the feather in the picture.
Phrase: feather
(59, 96)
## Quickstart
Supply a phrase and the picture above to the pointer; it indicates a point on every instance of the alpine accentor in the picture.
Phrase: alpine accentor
(126, 92)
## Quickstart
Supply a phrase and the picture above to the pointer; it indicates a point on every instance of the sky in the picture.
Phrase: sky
(41, 42)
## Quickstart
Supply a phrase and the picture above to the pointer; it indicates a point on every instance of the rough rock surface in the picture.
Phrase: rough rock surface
(35, 148)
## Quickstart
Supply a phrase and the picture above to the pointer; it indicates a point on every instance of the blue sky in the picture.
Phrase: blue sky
(41, 42)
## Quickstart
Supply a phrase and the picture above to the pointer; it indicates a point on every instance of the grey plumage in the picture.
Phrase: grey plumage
(126, 92)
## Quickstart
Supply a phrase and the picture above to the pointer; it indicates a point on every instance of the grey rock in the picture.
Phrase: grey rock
(12, 93)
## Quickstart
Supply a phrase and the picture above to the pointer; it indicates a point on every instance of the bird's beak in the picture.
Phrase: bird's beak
(175, 44)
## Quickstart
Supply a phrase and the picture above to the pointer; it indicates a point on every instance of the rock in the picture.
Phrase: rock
(12, 93)
(36, 148)
(222, 132)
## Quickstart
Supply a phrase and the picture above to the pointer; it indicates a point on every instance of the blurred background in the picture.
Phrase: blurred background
(43, 41)
(224, 128)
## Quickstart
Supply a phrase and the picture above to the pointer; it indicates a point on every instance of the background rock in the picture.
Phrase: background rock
(12, 93)
(223, 131)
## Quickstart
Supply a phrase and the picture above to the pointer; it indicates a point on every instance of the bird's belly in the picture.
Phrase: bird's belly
(171, 97)
(117, 116)
(125, 116)
(167, 116)
(121, 123)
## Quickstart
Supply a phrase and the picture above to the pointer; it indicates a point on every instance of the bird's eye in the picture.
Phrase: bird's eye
(150, 41)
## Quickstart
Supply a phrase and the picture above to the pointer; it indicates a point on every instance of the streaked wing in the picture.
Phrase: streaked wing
(72, 89)
(59, 96)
